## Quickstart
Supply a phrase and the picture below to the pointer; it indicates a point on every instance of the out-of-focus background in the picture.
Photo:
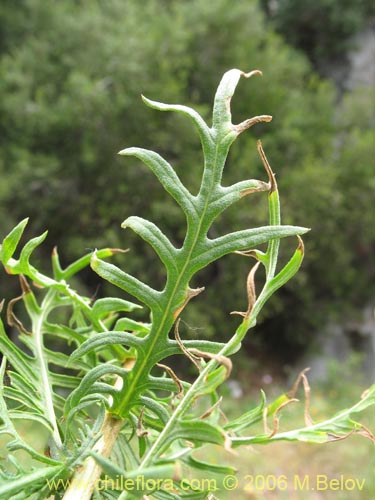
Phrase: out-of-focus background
(72, 72)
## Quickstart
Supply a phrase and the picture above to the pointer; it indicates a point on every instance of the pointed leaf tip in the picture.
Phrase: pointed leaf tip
(241, 127)
(267, 166)
(301, 246)
(10, 242)
(252, 73)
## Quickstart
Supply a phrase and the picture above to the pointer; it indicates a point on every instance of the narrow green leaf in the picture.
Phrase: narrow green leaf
(27, 399)
(66, 381)
(108, 467)
(154, 237)
(226, 196)
(286, 274)
(165, 470)
(128, 452)
(200, 124)
(132, 326)
(174, 348)
(64, 332)
(240, 240)
(88, 380)
(138, 289)
(196, 431)
(213, 381)
(63, 360)
(165, 384)
(103, 340)
(105, 306)
(56, 265)
(29, 300)
(11, 241)
(205, 466)
(30, 481)
(20, 383)
(84, 261)
(166, 175)
(21, 362)
(156, 407)
(247, 419)
(72, 415)
(32, 417)
(28, 250)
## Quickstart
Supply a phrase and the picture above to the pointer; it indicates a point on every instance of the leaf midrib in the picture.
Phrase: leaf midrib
(156, 336)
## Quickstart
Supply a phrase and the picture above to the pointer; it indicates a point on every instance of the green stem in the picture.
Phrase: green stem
(47, 395)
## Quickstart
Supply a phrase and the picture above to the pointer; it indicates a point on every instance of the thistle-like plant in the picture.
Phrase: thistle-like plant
(101, 389)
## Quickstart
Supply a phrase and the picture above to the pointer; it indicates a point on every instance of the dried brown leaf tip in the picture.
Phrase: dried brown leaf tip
(261, 186)
(245, 75)
(192, 292)
(296, 384)
(248, 253)
(251, 293)
(241, 127)
(141, 432)
(24, 284)
(114, 251)
(193, 359)
(267, 166)
(365, 432)
(222, 360)
(301, 246)
(306, 388)
(212, 408)
(276, 418)
(12, 319)
(174, 377)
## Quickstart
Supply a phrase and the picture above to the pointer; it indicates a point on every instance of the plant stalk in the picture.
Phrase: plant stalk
(86, 479)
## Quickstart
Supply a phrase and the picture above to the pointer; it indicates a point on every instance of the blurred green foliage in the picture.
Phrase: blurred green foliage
(72, 74)
(321, 28)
